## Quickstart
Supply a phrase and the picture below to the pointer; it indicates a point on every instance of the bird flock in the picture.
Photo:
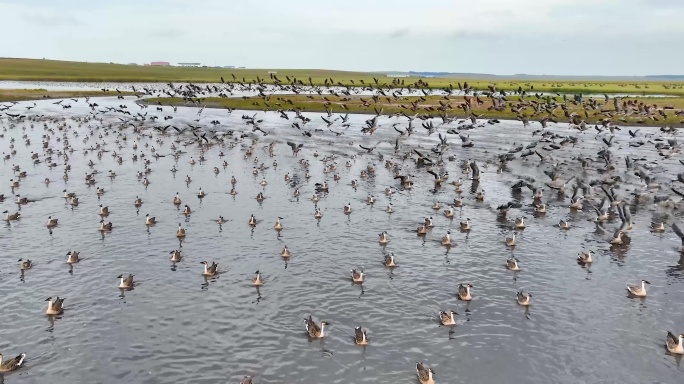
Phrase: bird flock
(602, 187)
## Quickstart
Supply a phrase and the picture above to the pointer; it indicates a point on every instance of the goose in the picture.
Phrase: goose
(296, 193)
(428, 222)
(138, 202)
(513, 264)
(449, 212)
(54, 308)
(11, 364)
(177, 200)
(252, 220)
(464, 292)
(126, 283)
(285, 252)
(658, 227)
(233, 180)
(356, 276)
(540, 208)
(104, 211)
(25, 265)
(638, 290)
(105, 226)
(314, 331)
(347, 209)
(675, 344)
(68, 195)
(585, 257)
(576, 201)
(617, 237)
(425, 374)
(318, 214)
(278, 226)
(74, 201)
(563, 224)
(187, 210)
(14, 184)
(523, 298)
(246, 380)
(447, 318)
(188, 180)
(201, 193)
(465, 225)
(233, 192)
(370, 200)
(209, 270)
(73, 257)
(360, 337)
(14, 216)
(384, 237)
(446, 239)
(263, 182)
(389, 260)
(422, 229)
(100, 191)
(180, 232)
(220, 220)
(175, 256)
(260, 196)
(51, 222)
(520, 222)
(389, 208)
(458, 203)
(257, 280)
(436, 206)
(480, 195)
(150, 220)
(314, 198)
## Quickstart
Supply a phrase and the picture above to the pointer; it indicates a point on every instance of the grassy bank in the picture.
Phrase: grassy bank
(68, 71)
(39, 94)
(430, 106)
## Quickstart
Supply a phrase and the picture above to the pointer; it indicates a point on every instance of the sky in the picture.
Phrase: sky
(504, 37)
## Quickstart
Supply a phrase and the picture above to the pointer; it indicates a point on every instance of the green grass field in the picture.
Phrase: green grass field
(38, 94)
(427, 107)
(68, 71)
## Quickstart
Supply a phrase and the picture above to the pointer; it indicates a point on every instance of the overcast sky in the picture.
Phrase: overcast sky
(554, 37)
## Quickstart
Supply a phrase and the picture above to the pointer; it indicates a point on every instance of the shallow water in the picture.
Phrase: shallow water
(177, 326)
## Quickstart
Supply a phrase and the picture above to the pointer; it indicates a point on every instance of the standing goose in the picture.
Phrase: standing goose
(447, 318)
(314, 331)
(464, 292)
(125, 283)
(356, 276)
(638, 290)
(446, 239)
(175, 256)
(180, 233)
(360, 337)
(257, 280)
(675, 344)
(73, 257)
(209, 270)
(11, 364)
(425, 374)
(54, 308)
(523, 299)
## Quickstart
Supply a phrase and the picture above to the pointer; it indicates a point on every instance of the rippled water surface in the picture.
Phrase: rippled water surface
(178, 327)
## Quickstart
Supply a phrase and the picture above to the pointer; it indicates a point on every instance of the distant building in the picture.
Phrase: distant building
(189, 64)
(160, 63)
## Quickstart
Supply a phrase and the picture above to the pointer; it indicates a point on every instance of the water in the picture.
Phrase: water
(177, 326)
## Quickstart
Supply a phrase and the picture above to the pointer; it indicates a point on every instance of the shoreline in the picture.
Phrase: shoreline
(17, 95)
